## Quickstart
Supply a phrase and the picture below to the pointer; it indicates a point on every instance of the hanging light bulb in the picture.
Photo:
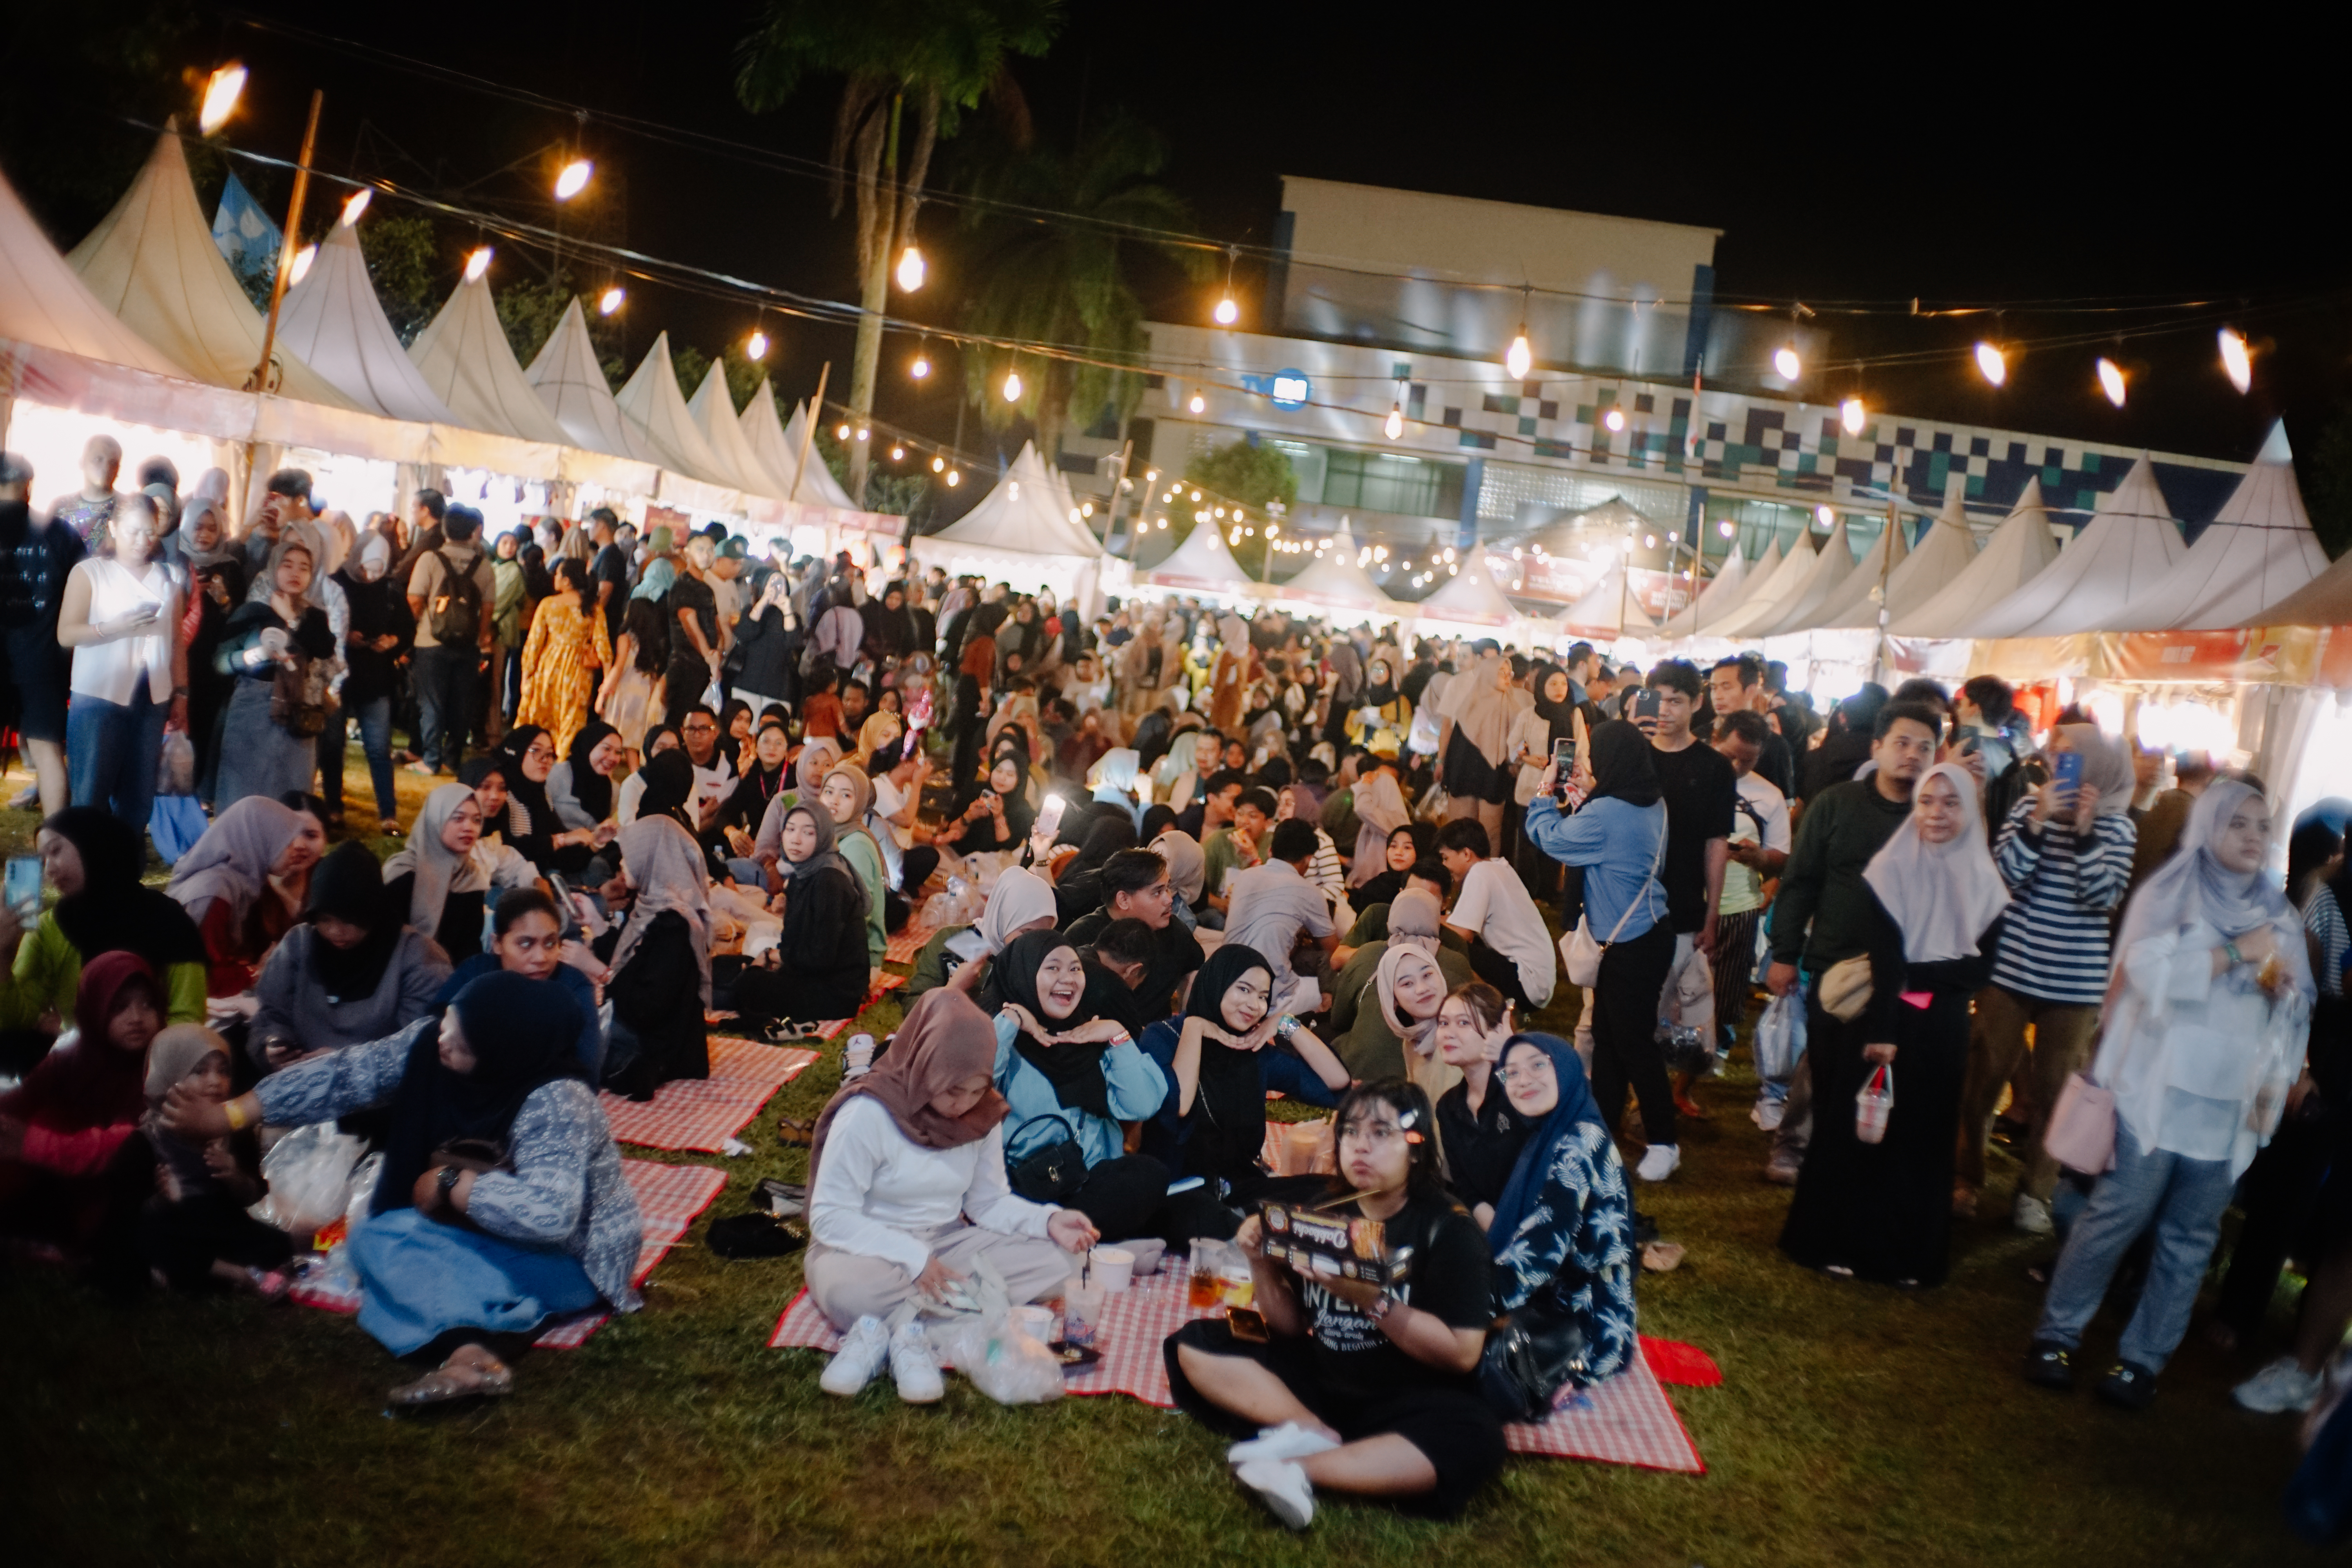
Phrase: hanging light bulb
(1520, 357)
(221, 91)
(302, 260)
(477, 263)
(841, 431)
(1786, 363)
(2111, 381)
(1824, 516)
(1085, 509)
(1615, 418)
(611, 300)
(357, 205)
(911, 269)
(939, 465)
(1394, 427)
(758, 347)
(1726, 529)
(1227, 313)
(862, 432)
(898, 454)
(955, 478)
(573, 179)
(1011, 386)
(921, 367)
(1850, 414)
(1199, 404)
(1991, 364)
(2235, 358)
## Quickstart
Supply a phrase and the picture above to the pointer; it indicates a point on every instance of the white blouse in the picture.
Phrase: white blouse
(876, 1187)
(111, 672)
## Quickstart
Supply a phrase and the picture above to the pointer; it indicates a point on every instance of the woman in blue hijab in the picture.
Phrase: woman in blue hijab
(1565, 1219)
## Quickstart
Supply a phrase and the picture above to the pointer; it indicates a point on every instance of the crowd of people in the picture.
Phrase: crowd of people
(1171, 860)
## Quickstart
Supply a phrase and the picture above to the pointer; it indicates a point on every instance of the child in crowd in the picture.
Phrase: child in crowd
(195, 1234)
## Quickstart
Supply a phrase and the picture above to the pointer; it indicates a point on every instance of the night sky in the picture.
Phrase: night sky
(1980, 161)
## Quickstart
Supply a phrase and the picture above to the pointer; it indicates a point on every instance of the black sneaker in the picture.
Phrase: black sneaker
(2127, 1387)
(2049, 1364)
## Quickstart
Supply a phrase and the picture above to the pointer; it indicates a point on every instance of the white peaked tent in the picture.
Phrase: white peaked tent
(1885, 558)
(818, 486)
(2256, 551)
(1768, 600)
(1608, 609)
(333, 322)
(657, 408)
(763, 436)
(1202, 564)
(1022, 516)
(1336, 583)
(2019, 552)
(465, 361)
(1918, 573)
(1832, 563)
(152, 261)
(713, 408)
(44, 303)
(1468, 598)
(1722, 593)
(572, 386)
(2130, 545)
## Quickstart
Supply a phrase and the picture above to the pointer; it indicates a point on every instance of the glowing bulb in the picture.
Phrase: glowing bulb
(1452, 571)
(1161, 523)
(302, 260)
(1272, 529)
(939, 465)
(841, 431)
(1649, 542)
(1394, 428)
(1196, 495)
(1011, 386)
(1085, 509)
(920, 368)
(1199, 403)
(1850, 414)
(1725, 528)
(898, 454)
(862, 433)
(910, 270)
(2111, 381)
(1234, 537)
(1520, 357)
(1449, 552)
(1787, 363)
(611, 302)
(955, 478)
(356, 206)
(1991, 364)
(1824, 516)
(1227, 313)
(2235, 358)
(758, 347)
(477, 264)
(1615, 418)
(221, 92)
(1074, 515)
(1221, 511)
(573, 179)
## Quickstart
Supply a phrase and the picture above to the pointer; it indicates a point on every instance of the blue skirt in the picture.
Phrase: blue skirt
(422, 1278)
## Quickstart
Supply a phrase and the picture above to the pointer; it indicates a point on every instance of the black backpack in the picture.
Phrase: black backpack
(454, 616)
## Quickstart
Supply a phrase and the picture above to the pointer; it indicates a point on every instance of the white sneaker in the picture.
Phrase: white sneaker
(2030, 1215)
(857, 1060)
(913, 1367)
(1661, 1161)
(1283, 1487)
(2281, 1386)
(862, 1352)
(1287, 1441)
(1768, 1114)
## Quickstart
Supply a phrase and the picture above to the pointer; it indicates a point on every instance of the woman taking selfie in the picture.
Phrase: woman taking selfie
(1361, 1389)
(1479, 1135)
(269, 735)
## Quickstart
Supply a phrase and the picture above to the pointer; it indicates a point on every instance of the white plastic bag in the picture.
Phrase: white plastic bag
(1779, 1042)
(1003, 1359)
(308, 1173)
(175, 764)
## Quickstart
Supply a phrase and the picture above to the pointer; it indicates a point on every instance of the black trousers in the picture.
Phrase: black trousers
(1625, 1032)
(1502, 974)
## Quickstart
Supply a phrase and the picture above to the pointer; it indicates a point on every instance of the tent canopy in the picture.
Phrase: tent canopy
(713, 408)
(657, 408)
(465, 361)
(572, 385)
(152, 261)
(1722, 595)
(818, 486)
(1832, 566)
(1765, 603)
(45, 301)
(1203, 564)
(1918, 574)
(2019, 552)
(763, 436)
(334, 321)
(1021, 516)
(1468, 598)
(1608, 609)
(2130, 545)
(1336, 581)
(2256, 552)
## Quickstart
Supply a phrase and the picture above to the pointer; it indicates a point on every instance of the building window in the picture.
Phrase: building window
(1382, 481)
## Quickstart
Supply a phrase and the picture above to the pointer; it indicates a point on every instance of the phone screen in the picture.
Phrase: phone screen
(1049, 816)
(23, 890)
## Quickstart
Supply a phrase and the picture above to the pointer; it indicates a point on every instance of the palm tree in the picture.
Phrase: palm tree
(944, 56)
(1063, 280)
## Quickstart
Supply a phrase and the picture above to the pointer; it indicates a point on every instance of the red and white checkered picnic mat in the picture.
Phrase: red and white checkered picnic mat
(701, 1114)
(903, 947)
(669, 1197)
(1627, 1420)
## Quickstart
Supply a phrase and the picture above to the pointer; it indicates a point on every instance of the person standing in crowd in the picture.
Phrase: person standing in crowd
(1882, 1211)
(1823, 914)
(273, 644)
(2066, 856)
(1758, 850)
(1380, 806)
(1619, 835)
(608, 568)
(120, 615)
(632, 697)
(769, 640)
(1474, 740)
(2202, 1049)
(564, 655)
(1736, 685)
(694, 633)
(1511, 948)
(1702, 793)
(35, 560)
(2159, 831)
(1847, 743)
(450, 591)
(370, 653)
(90, 510)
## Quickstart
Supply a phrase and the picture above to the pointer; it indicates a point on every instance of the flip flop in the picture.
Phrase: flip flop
(441, 1387)
(795, 1134)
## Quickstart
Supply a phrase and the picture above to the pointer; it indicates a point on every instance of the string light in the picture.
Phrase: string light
(911, 269)
(222, 89)
(309, 253)
(477, 263)
(841, 431)
(1991, 364)
(1011, 386)
(1726, 529)
(357, 205)
(863, 433)
(939, 465)
(611, 300)
(1199, 404)
(1787, 363)
(758, 347)
(2235, 358)
(921, 367)
(2111, 381)
(1394, 426)
(1227, 313)
(1615, 418)
(955, 478)
(1851, 415)
(898, 454)
(573, 179)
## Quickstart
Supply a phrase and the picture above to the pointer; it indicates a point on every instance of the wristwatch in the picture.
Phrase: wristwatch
(1288, 1028)
(447, 1182)
(1384, 1303)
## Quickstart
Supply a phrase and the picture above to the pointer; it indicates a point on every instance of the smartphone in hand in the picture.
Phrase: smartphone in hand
(2066, 772)
(1647, 704)
(1563, 762)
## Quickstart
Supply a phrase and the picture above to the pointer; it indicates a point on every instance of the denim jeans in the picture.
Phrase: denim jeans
(444, 678)
(375, 740)
(2183, 1200)
(112, 750)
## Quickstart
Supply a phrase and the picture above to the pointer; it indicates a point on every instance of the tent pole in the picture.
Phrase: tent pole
(808, 434)
(288, 243)
(1886, 568)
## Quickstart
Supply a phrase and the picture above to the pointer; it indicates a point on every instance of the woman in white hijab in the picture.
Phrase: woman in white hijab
(1884, 1211)
(2203, 1047)
(1412, 992)
(1020, 902)
(447, 872)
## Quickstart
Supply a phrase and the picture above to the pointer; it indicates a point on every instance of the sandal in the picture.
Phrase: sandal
(388, 828)
(795, 1134)
(444, 1386)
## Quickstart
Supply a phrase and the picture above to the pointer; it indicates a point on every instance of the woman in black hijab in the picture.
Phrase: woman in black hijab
(1080, 892)
(349, 973)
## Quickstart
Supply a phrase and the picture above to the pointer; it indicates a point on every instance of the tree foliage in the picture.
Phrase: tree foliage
(2327, 482)
(531, 308)
(1256, 476)
(77, 73)
(403, 262)
(1066, 282)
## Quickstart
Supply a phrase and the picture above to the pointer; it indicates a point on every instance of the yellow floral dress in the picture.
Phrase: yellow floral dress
(562, 658)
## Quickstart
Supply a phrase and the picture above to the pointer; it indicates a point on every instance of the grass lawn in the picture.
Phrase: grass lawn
(1855, 1425)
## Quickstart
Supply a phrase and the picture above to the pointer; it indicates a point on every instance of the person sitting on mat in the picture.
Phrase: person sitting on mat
(527, 940)
(349, 973)
(660, 959)
(818, 970)
(1361, 1389)
(502, 1202)
(908, 1192)
(1478, 1134)
(195, 1233)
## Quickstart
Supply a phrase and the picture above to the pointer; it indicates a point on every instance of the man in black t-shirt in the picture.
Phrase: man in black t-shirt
(694, 640)
(610, 570)
(1135, 887)
(1702, 794)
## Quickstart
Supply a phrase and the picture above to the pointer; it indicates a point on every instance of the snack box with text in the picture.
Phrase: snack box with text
(1334, 1247)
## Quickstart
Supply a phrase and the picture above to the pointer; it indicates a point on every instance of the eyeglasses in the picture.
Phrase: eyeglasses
(1526, 1075)
(544, 752)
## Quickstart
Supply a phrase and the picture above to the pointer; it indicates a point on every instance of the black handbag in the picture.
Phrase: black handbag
(1532, 1352)
(1051, 1173)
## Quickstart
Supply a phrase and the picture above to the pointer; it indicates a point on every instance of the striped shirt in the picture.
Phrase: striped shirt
(2054, 941)
(2323, 918)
